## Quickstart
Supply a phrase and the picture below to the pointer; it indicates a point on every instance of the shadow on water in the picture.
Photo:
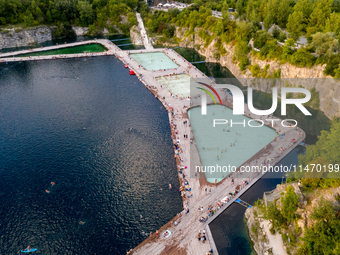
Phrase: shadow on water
(228, 229)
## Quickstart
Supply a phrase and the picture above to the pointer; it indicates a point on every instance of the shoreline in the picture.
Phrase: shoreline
(184, 234)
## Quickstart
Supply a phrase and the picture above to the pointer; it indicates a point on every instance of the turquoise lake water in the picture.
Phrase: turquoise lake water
(227, 144)
(154, 61)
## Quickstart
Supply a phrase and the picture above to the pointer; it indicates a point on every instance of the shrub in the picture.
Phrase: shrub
(302, 58)
(270, 50)
(261, 38)
(241, 49)
(244, 61)
(277, 74)
(255, 70)
(333, 64)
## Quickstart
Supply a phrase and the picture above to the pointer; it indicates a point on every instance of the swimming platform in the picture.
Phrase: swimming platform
(180, 85)
(224, 145)
(154, 61)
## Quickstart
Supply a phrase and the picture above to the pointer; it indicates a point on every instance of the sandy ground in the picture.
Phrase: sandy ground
(275, 241)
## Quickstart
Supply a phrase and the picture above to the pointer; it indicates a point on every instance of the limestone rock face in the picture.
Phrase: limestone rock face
(80, 30)
(16, 37)
(258, 247)
(328, 89)
(135, 36)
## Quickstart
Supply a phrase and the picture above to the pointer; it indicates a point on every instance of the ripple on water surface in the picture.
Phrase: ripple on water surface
(102, 137)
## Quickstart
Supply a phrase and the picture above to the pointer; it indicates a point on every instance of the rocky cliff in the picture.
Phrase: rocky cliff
(16, 37)
(265, 239)
(79, 31)
(135, 36)
(328, 88)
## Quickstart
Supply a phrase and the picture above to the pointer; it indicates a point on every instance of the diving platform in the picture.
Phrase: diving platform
(116, 40)
(241, 202)
(198, 62)
(126, 44)
(303, 144)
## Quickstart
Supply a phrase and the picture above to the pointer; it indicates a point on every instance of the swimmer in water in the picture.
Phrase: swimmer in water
(81, 222)
(47, 191)
(52, 183)
(170, 186)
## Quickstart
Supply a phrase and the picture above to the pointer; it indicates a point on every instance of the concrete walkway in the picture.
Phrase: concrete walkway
(12, 56)
(184, 235)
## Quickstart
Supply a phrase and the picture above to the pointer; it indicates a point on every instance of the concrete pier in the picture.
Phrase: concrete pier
(183, 239)
(13, 56)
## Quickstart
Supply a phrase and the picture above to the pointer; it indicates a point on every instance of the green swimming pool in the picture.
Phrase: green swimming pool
(224, 145)
(154, 60)
(88, 48)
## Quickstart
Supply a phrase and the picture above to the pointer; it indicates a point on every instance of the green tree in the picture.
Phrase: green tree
(295, 24)
(261, 37)
(39, 15)
(274, 216)
(219, 28)
(302, 58)
(290, 203)
(241, 49)
(325, 43)
(28, 19)
(86, 12)
(324, 236)
(321, 11)
(49, 16)
(332, 23)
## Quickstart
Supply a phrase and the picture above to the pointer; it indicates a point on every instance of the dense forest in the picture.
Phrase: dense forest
(318, 21)
(96, 14)
(324, 153)
(315, 21)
